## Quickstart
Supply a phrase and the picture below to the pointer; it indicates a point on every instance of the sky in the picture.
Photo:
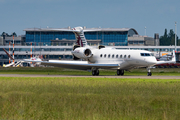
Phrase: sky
(155, 15)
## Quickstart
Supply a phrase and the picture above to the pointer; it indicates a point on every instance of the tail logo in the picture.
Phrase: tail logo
(79, 41)
(80, 38)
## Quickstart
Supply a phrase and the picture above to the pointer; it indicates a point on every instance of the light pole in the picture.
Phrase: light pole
(175, 34)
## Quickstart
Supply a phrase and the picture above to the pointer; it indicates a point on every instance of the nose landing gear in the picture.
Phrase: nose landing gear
(149, 72)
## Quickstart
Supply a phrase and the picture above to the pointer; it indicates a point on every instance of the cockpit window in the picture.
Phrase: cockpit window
(145, 54)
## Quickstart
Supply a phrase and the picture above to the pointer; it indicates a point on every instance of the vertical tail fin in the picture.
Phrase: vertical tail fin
(80, 38)
(8, 54)
(12, 63)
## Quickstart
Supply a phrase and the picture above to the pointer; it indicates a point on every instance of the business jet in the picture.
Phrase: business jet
(94, 58)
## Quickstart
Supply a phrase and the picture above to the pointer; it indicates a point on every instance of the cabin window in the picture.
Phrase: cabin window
(105, 55)
(112, 56)
(124, 56)
(109, 56)
(101, 55)
(116, 56)
(120, 56)
(129, 56)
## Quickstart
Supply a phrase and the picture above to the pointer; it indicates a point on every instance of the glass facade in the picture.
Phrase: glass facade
(107, 38)
(47, 36)
(118, 38)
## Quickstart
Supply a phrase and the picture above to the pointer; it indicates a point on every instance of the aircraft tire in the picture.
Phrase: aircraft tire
(95, 72)
(122, 72)
(149, 74)
(118, 72)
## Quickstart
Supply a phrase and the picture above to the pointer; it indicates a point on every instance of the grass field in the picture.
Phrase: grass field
(60, 71)
(89, 98)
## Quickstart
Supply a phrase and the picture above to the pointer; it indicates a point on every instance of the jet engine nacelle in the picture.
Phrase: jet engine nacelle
(82, 53)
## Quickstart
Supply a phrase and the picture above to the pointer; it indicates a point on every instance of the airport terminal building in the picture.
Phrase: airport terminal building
(105, 36)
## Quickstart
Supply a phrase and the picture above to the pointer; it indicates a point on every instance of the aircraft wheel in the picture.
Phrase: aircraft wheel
(95, 72)
(149, 74)
(118, 72)
(122, 72)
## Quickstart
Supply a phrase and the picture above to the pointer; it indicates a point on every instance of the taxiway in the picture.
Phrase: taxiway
(141, 77)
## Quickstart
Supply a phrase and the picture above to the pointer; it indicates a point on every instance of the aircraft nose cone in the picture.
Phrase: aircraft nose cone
(152, 61)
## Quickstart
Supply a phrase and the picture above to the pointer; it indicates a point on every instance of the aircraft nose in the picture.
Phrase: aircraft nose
(152, 61)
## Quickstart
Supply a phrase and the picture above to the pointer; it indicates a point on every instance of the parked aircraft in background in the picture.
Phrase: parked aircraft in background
(99, 57)
(18, 63)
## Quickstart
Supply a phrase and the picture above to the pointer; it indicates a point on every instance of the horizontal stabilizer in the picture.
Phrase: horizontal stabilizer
(8, 65)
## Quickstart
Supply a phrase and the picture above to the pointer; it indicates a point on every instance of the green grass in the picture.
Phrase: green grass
(89, 98)
(60, 71)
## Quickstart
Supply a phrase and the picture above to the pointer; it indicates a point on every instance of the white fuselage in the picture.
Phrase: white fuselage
(127, 59)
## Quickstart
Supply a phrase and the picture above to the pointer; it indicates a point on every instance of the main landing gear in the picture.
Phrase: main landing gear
(149, 72)
(120, 72)
(95, 72)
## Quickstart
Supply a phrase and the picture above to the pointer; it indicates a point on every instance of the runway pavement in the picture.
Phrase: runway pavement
(141, 77)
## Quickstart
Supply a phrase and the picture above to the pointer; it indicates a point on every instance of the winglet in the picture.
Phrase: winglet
(173, 57)
(79, 33)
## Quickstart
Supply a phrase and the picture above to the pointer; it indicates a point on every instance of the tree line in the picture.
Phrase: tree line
(6, 34)
(169, 38)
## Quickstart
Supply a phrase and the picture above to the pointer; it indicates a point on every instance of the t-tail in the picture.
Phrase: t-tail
(80, 38)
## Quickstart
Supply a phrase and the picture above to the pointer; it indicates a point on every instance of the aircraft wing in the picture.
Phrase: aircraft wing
(80, 65)
(172, 61)
(164, 62)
